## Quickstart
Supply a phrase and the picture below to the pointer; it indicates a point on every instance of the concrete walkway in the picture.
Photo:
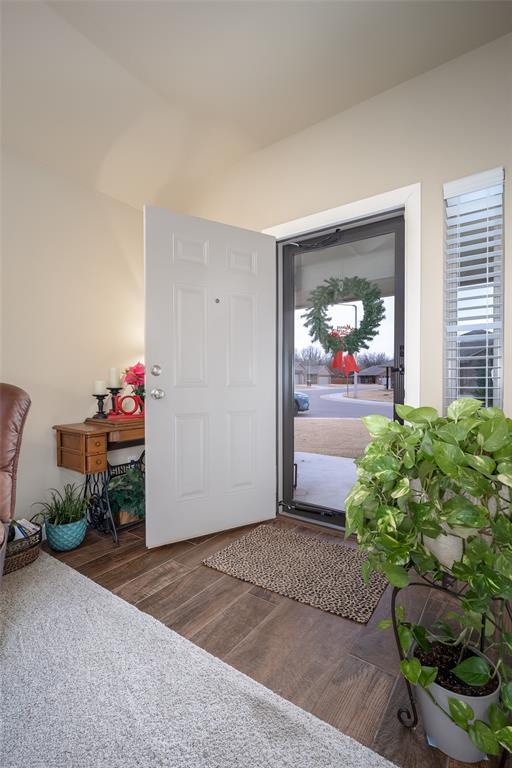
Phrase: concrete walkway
(324, 480)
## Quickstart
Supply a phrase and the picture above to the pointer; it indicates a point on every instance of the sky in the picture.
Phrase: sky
(343, 314)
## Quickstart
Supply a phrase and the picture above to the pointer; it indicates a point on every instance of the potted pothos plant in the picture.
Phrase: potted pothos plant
(64, 516)
(434, 495)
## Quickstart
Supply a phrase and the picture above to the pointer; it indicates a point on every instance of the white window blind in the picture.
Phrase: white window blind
(473, 292)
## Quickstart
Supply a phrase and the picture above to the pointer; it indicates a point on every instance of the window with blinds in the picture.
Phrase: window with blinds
(473, 291)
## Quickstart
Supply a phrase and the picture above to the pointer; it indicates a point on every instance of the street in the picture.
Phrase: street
(344, 408)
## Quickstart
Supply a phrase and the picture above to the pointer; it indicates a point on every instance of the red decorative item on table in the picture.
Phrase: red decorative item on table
(130, 406)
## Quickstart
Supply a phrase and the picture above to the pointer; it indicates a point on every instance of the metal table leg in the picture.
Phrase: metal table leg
(99, 512)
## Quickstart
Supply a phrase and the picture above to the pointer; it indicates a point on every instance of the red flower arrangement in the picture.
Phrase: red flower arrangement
(134, 376)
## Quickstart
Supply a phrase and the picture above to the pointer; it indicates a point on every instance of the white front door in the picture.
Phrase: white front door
(211, 376)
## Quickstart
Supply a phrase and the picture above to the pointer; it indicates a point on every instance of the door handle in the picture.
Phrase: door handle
(157, 394)
(400, 370)
(156, 370)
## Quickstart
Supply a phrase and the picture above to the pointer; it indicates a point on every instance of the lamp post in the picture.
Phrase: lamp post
(354, 306)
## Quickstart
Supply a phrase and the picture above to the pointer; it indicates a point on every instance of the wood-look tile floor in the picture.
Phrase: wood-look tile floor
(343, 672)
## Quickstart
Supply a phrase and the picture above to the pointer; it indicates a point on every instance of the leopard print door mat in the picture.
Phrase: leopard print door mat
(310, 570)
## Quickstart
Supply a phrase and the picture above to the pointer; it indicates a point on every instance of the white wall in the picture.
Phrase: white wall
(72, 305)
(451, 122)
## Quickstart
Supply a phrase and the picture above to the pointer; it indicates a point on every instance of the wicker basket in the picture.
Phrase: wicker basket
(23, 551)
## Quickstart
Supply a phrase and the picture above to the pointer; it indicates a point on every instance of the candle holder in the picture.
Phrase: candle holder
(114, 391)
(100, 414)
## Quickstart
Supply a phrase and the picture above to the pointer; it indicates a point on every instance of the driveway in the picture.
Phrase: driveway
(321, 406)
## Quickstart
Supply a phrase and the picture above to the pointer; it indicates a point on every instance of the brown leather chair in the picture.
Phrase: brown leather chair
(14, 406)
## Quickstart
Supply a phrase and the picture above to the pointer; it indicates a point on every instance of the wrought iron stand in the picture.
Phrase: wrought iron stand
(408, 715)
(96, 491)
(99, 513)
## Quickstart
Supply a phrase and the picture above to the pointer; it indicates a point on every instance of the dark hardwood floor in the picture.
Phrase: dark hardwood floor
(343, 672)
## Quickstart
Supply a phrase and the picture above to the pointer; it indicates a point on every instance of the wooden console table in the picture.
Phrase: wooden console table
(84, 447)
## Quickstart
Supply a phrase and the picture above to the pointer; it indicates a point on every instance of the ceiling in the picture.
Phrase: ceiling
(144, 100)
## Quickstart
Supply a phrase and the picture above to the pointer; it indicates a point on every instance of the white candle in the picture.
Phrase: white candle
(100, 387)
(113, 378)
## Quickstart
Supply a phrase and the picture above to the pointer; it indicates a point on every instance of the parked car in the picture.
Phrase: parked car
(301, 401)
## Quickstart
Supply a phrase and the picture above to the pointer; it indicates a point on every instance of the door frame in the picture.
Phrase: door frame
(407, 198)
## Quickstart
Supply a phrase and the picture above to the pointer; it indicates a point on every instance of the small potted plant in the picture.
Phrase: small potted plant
(126, 493)
(65, 517)
(435, 495)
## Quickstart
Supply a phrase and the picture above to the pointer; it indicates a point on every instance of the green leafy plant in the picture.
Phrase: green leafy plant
(425, 483)
(126, 493)
(67, 506)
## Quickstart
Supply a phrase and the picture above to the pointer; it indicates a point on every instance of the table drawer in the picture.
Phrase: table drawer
(70, 441)
(95, 444)
(96, 463)
(126, 435)
(71, 460)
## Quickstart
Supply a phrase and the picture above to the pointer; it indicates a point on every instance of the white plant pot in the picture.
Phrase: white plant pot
(447, 548)
(441, 730)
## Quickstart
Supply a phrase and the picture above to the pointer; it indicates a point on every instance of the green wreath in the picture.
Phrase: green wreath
(335, 290)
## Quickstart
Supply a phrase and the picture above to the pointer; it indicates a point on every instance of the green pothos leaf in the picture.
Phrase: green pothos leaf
(481, 463)
(504, 736)
(395, 574)
(405, 636)
(411, 669)
(402, 488)
(463, 407)
(448, 457)
(498, 718)
(376, 425)
(421, 637)
(425, 415)
(473, 671)
(354, 518)
(427, 676)
(403, 410)
(366, 569)
(495, 434)
(461, 712)
(384, 624)
(483, 738)
(506, 695)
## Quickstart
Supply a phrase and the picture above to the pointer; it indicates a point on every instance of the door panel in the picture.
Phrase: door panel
(210, 326)
(190, 332)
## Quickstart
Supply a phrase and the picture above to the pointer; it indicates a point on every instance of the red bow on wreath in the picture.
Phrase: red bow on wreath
(345, 363)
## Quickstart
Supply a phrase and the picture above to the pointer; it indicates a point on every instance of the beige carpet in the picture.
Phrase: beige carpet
(331, 437)
(89, 681)
(310, 570)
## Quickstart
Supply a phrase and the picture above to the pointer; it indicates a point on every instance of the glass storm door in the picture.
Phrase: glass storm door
(324, 397)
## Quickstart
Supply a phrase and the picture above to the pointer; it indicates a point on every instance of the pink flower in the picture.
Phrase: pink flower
(135, 375)
(139, 369)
